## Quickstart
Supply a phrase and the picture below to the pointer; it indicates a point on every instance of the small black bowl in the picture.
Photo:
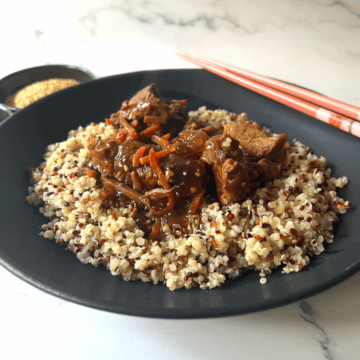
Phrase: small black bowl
(4, 113)
(16, 81)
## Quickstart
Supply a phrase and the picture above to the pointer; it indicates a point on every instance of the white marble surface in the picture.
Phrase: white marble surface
(315, 44)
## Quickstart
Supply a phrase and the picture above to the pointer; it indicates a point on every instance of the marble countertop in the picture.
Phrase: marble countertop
(313, 43)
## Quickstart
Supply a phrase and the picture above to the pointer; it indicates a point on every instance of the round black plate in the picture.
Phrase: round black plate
(46, 265)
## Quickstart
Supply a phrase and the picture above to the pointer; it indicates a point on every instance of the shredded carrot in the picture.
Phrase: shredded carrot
(136, 181)
(109, 122)
(172, 148)
(155, 164)
(196, 202)
(90, 172)
(167, 136)
(155, 230)
(120, 136)
(130, 130)
(160, 141)
(152, 129)
(138, 155)
(160, 155)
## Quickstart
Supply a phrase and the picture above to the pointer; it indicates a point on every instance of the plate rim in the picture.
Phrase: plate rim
(219, 313)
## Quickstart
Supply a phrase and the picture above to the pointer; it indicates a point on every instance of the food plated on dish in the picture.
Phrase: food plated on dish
(160, 194)
(45, 265)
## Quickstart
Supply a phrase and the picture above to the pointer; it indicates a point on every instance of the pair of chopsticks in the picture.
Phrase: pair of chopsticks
(346, 117)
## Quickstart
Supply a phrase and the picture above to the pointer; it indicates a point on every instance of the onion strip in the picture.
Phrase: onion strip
(125, 190)
(136, 181)
(196, 202)
(155, 230)
(162, 194)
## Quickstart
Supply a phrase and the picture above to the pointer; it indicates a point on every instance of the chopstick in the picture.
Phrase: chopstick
(341, 122)
(321, 100)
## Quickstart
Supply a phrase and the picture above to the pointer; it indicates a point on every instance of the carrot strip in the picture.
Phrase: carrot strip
(131, 131)
(150, 130)
(120, 136)
(155, 230)
(136, 181)
(155, 164)
(109, 122)
(160, 155)
(146, 159)
(172, 148)
(90, 172)
(196, 202)
(138, 155)
(166, 136)
(160, 141)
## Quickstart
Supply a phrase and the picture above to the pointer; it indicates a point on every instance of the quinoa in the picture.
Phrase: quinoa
(284, 224)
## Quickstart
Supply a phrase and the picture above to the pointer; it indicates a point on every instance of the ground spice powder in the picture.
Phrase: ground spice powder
(38, 90)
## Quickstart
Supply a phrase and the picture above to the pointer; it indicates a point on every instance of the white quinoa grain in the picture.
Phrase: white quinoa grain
(283, 224)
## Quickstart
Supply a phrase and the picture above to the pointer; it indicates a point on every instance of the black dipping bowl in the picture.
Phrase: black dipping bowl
(4, 113)
(16, 81)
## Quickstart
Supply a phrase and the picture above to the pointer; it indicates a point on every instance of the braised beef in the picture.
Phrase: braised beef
(146, 94)
(234, 177)
(266, 152)
(165, 165)
(257, 143)
(146, 108)
(114, 161)
(244, 154)
(191, 142)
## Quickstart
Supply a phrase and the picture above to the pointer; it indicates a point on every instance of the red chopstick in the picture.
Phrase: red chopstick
(321, 100)
(341, 122)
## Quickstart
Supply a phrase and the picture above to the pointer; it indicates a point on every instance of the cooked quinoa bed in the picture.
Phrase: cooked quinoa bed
(283, 224)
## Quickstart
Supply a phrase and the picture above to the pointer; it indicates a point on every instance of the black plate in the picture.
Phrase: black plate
(46, 265)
